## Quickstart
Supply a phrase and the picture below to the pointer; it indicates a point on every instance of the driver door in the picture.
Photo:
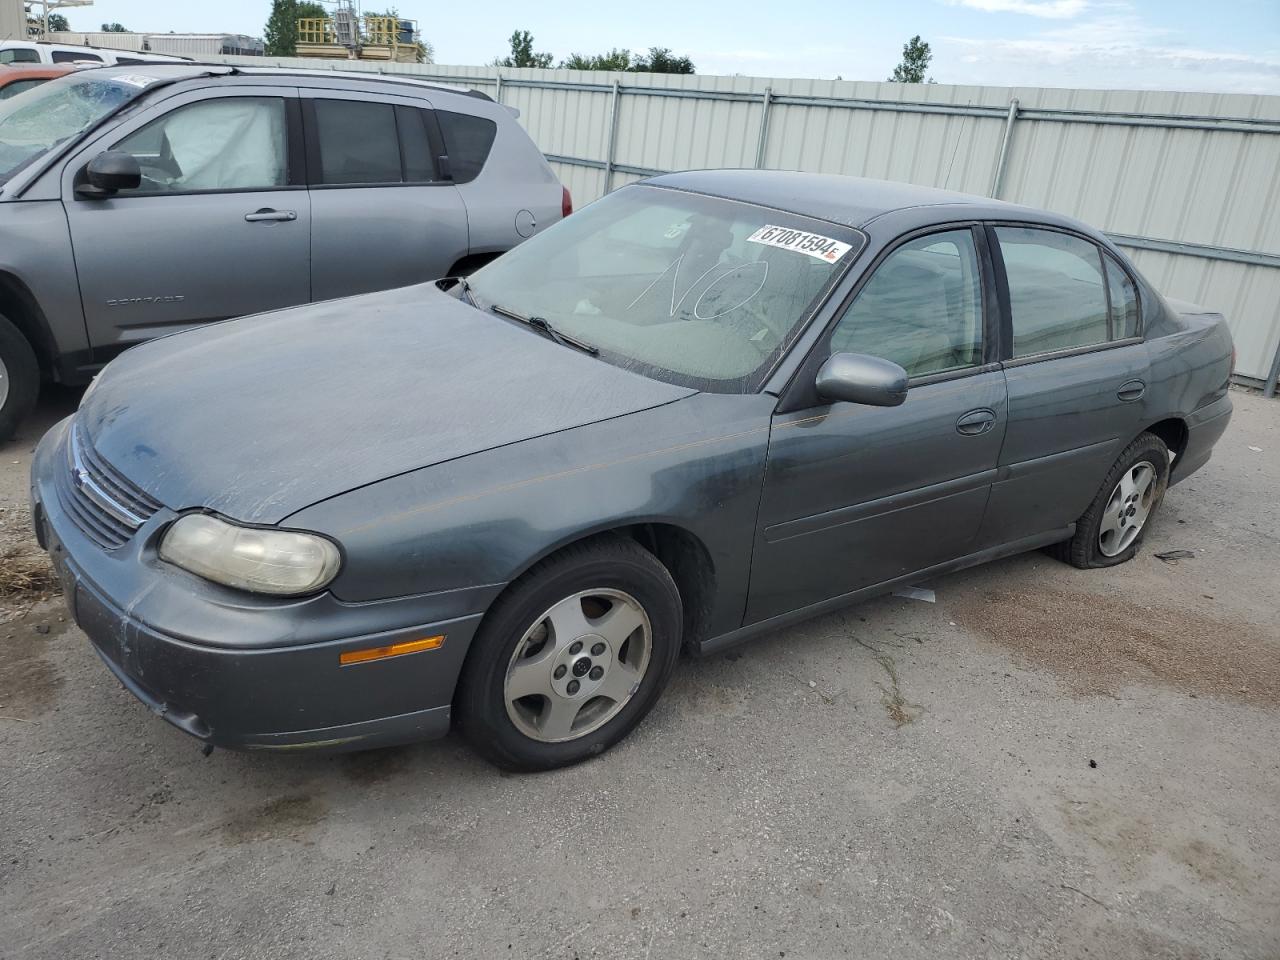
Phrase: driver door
(857, 495)
(219, 228)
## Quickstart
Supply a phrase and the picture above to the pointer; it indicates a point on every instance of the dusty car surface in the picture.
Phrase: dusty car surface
(705, 407)
(139, 201)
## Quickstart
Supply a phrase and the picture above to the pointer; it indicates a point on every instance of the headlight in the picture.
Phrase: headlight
(281, 562)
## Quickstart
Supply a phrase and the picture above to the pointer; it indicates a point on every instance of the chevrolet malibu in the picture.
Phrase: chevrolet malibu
(707, 406)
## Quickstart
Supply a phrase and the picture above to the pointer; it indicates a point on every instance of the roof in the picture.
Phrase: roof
(10, 74)
(854, 201)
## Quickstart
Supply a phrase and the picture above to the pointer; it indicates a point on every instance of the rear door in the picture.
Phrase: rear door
(382, 214)
(857, 495)
(219, 228)
(1077, 373)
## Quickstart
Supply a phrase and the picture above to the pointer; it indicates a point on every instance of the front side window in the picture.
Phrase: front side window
(232, 143)
(682, 287)
(19, 55)
(1057, 293)
(1124, 301)
(922, 308)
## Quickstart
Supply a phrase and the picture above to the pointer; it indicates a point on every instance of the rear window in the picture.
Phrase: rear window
(467, 140)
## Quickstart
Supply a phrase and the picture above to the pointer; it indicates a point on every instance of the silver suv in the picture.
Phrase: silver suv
(140, 201)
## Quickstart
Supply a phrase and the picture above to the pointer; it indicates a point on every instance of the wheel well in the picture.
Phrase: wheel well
(470, 263)
(20, 308)
(686, 559)
(1173, 432)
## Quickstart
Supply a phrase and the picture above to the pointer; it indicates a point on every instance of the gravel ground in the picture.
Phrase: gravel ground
(1043, 763)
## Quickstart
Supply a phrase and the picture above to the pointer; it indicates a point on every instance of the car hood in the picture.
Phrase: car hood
(259, 417)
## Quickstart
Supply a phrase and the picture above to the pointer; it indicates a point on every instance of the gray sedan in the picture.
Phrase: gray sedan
(705, 407)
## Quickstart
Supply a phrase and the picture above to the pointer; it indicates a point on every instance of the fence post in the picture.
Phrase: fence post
(998, 179)
(1269, 390)
(497, 94)
(765, 101)
(613, 139)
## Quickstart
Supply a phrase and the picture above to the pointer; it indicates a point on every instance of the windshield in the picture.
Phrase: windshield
(690, 289)
(36, 122)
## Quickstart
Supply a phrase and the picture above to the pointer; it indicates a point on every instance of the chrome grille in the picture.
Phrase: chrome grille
(106, 507)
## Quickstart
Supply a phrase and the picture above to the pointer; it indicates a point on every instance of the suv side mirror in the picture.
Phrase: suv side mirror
(110, 172)
(858, 378)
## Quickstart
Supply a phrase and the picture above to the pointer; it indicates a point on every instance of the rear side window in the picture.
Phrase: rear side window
(1124, 301)
(922, 308)
(1057, 293)
(19, 55)
(358, 142)
(415, 147)
(17, 87)
(467, 140)
(75, 56)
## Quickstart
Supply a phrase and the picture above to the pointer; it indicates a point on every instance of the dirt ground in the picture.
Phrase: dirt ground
(1043, 763)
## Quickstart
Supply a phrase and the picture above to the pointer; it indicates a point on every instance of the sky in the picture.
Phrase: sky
(1230, 46)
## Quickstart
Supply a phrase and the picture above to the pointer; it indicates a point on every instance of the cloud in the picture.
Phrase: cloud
(1048, 9)
(1115, 52)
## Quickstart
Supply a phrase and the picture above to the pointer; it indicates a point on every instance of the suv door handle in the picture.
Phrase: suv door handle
(976, 422)
(267, 214)
(1131, 391)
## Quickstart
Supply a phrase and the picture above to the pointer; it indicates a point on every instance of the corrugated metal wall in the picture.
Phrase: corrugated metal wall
(1190, 183)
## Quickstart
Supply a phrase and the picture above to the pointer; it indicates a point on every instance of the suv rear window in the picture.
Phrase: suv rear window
(467, 140)
(75, 56)
(19, 55)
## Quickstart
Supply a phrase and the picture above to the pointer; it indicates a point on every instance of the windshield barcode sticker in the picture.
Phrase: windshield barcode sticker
(813, 244)
(133, 79)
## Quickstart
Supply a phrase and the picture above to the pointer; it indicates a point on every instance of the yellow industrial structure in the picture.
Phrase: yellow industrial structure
(360, 38)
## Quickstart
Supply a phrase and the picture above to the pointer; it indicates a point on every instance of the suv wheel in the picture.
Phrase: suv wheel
(19, 378)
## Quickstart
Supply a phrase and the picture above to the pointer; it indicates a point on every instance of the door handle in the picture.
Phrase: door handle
(266, 214)
(976, 422)
(1131, 391)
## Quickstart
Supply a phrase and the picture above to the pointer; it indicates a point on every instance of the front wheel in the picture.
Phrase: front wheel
(572, 657)
(19, 378)
(1111, 530)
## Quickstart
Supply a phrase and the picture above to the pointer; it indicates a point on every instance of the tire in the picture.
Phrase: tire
(1112, 529)
(19, 378)
(621, 617)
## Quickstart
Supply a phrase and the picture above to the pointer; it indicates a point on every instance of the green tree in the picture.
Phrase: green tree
(661, 60)
(280, 36)
(308, 10)
(915, 62)
(114, 28)
(613, 60)
(35, 22)
(522, 54)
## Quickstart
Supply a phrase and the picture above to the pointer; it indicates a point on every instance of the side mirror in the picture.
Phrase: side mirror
(110, 172)
(858, 378)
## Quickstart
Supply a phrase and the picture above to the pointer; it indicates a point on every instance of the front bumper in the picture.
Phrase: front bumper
(249, 672)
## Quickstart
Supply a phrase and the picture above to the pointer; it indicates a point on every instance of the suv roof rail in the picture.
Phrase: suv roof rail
(403, 79)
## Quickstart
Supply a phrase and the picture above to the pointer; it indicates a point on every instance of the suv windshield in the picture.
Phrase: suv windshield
(691, 289)
(39, 120)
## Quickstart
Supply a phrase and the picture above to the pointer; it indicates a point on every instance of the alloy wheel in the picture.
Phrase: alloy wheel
(578, 665)
(1127, 509)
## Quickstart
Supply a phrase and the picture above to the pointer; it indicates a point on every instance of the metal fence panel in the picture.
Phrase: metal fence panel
(1190, 182)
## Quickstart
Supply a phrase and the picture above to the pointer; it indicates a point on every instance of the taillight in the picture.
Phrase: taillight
(566, 202)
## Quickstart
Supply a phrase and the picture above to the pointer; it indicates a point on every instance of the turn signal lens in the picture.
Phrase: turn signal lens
(391, 650)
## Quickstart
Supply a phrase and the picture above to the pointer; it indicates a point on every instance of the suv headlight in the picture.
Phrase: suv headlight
(285, 563)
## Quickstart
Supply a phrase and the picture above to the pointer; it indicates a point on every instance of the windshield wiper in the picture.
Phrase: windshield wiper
(543, 325)
(463, 284)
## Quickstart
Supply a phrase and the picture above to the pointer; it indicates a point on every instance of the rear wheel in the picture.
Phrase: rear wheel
(1111, 530)
(19, 378)
(572, 657)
